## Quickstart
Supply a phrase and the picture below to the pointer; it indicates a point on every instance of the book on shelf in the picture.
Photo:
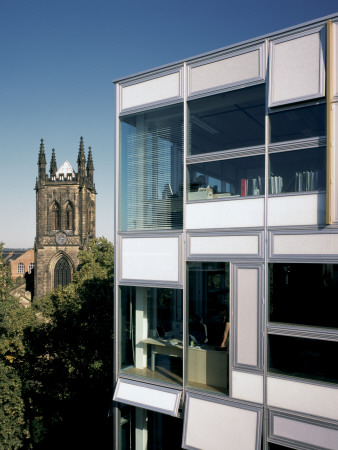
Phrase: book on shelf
(276, 184)
(244, 187)
(306, 180)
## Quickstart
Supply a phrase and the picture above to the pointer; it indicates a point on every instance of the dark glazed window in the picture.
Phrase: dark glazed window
(297, 171)
(227, 121)
(304, 358)
(227, 178)
(304, 294)
(298, 123)
(62, 275)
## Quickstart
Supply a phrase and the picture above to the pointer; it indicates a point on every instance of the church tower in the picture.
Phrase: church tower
(65, 218)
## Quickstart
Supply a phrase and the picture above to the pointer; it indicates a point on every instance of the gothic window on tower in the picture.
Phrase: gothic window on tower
(69, 216)
(62, 274)
(55, 217)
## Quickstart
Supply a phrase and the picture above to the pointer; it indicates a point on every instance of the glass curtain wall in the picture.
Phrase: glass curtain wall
(151, 170)
(151, 333)
(208, 326)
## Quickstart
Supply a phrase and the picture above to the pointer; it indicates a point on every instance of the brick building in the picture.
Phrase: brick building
(65, 218)
(21, 261)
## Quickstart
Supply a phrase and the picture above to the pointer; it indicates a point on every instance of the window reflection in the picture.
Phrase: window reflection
(152, 336)
(208, 327)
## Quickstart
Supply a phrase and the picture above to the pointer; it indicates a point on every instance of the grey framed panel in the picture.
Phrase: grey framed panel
(205, 416)
(148, 77)
(238, 329)
(222, 86)
(148, 396)
(228, 256)
(301, 432)
(320, 91)
(149, 282)
(301, 257)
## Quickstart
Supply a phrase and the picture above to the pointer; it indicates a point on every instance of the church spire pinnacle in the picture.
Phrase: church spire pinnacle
(53, 167)
(42, 162)
(90, 167)
(81, 162)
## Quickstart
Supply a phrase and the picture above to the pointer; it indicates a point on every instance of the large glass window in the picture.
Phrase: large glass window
(151, 175)
(227, 178)
(141, 429)
(227, 121)
(151, 333)
(297, 171)
(304, 294)
(298, 123)
(208, 326)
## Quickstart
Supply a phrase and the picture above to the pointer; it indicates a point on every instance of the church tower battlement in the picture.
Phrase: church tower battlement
(65, 218)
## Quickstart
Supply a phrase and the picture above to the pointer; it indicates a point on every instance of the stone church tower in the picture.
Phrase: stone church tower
(65, 218)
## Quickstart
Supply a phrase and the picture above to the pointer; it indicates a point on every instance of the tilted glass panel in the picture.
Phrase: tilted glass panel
(304, 294)
(151, 333)
(226, 121)
(151, 170)
(297, 171)
(304, 358)
(298, 123)
(227, 178)
(209, 325)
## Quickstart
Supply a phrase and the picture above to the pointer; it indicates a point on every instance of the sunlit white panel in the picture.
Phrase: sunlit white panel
(155, 90)
(224, 245)
(163, 400)
(297, 67)
(247, 386)
(247, 317)
(225, 214)
(296, 210)
(210, 425)
(150, 259)
(233, 69)
(303, 397)
(305, 244)
(305, 432)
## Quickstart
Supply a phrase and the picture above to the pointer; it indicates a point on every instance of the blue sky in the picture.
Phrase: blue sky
(58, 59)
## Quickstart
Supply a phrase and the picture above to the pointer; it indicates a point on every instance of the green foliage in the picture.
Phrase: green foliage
(72, 354)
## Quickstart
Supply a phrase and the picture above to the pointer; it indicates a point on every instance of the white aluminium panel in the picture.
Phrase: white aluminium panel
(291, 210)
(305, 244)
(297, 67)
(154, 90)
(225, 214)
(247, 316)
(305, 432)
(214, 426)
(150, 258)
(247, 386)
(233, 69)
(224, 245)
(303, 397)
(163, 400)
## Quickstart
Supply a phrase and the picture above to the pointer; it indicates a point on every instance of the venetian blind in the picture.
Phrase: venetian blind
(151, 170)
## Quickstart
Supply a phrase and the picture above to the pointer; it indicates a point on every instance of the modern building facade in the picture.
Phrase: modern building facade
(65, 218)
(227, 247)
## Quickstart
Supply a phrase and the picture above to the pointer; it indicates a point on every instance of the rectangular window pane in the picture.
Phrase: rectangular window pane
(228, 178)
(304, 294)
(298, 123)
(208, 327)
(226, 121)
(151, 172)
(304, 358)
(297, 171)
(151, 333)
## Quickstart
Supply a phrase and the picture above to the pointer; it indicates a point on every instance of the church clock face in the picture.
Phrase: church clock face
(61, 238)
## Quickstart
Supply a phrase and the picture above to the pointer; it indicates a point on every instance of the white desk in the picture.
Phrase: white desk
(162, 347)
